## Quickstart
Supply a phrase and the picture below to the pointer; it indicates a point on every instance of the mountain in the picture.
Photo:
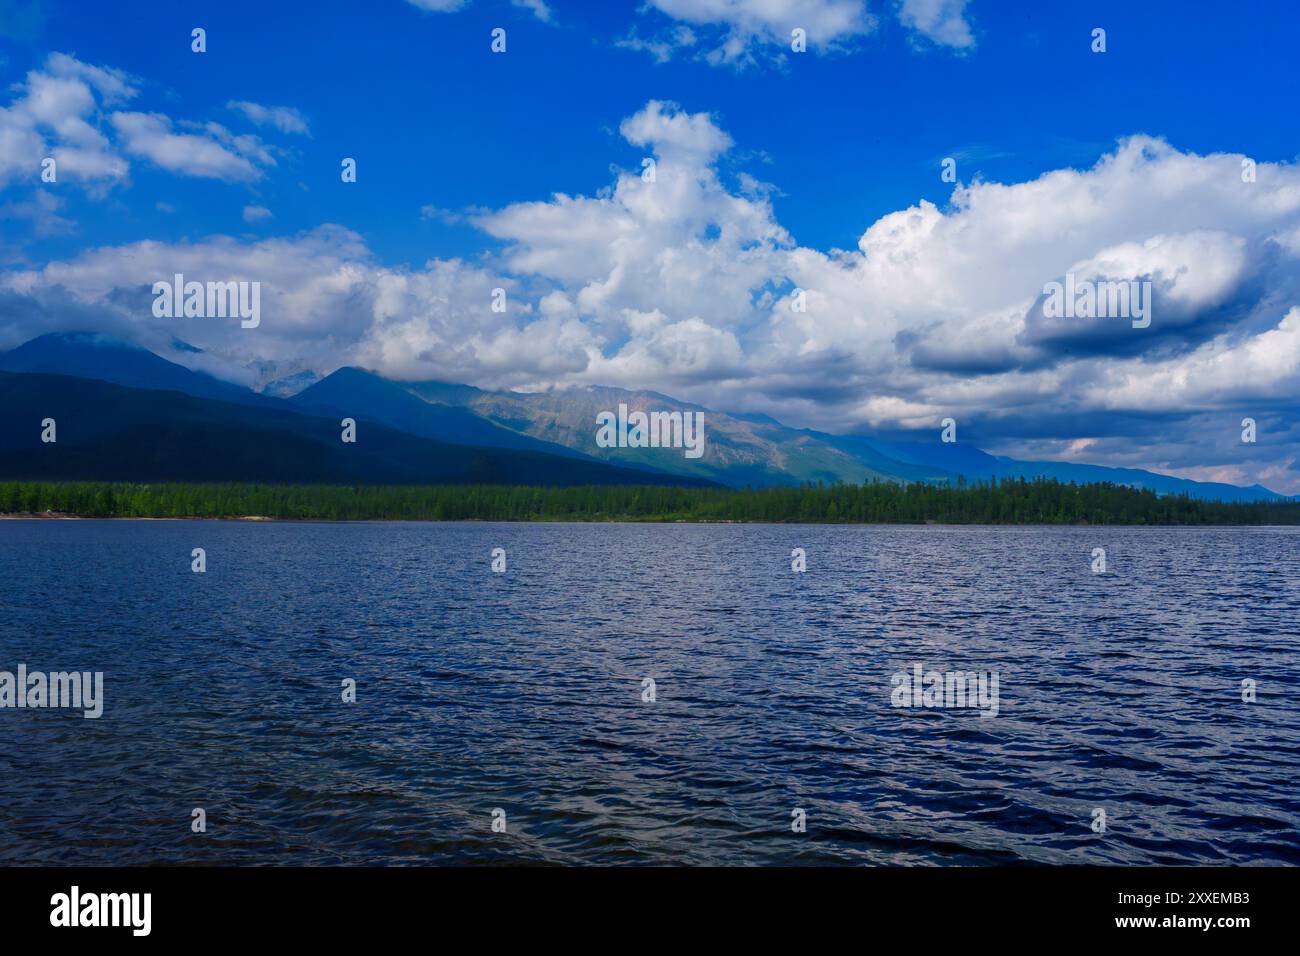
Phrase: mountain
(109, 359)
(286, 386)
(969, 462)
(111, 432)
(740, 450)
(879, 455)
(361, 394)
(749, 449)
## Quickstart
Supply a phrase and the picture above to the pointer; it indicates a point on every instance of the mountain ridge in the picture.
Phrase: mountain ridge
(745, 449)
(108, 358)
(106, 431)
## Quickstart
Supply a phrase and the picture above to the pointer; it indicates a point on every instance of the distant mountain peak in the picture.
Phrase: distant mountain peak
(107, 358)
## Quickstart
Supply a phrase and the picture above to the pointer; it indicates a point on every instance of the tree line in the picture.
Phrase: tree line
(1005, 501)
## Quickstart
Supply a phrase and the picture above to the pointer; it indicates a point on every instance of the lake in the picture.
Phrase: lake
(523, 697)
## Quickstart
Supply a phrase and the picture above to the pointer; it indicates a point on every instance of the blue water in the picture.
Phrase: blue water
(523, 691)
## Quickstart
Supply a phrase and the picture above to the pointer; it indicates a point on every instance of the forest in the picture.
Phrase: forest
(1008, 501)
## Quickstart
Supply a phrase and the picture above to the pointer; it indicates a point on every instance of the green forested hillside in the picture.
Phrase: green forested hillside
(1012, 501)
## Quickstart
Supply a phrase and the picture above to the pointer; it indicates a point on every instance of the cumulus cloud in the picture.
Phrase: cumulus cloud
(679, 245)
(694, 139)
(1259, 369)
(967, 281)
(55, 113)
(70, 112)
(1185, 278)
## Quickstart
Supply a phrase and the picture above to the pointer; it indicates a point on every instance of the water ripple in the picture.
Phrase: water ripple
(523, 692)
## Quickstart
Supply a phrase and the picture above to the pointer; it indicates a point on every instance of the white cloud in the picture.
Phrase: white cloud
(325, 302)
(680, 245)
(114, 86)
(739, 33)
(675, 135)
(55, 114)
(310, 286)
(256, 214)
(64, 111)
(284, 118)
(662, 47)
(743, 28)
(538, 7)
(941, 21)
(213, 154)
(1259, 369)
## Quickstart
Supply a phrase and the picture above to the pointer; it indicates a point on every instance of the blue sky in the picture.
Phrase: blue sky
(436, 119)
(783, 159)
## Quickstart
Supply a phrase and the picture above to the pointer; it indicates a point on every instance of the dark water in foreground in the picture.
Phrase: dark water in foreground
(523, 692)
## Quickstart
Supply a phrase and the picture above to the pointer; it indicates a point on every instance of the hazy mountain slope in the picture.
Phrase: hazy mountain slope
(289, 385)
(107, 431)
(361, 394)
(869, 452)
(758, 450)
(91, 355)
(958, 459)
(1134, 477)
(738, 451)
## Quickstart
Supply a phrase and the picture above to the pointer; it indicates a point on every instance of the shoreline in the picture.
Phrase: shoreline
(569, 519)
(68, 516)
